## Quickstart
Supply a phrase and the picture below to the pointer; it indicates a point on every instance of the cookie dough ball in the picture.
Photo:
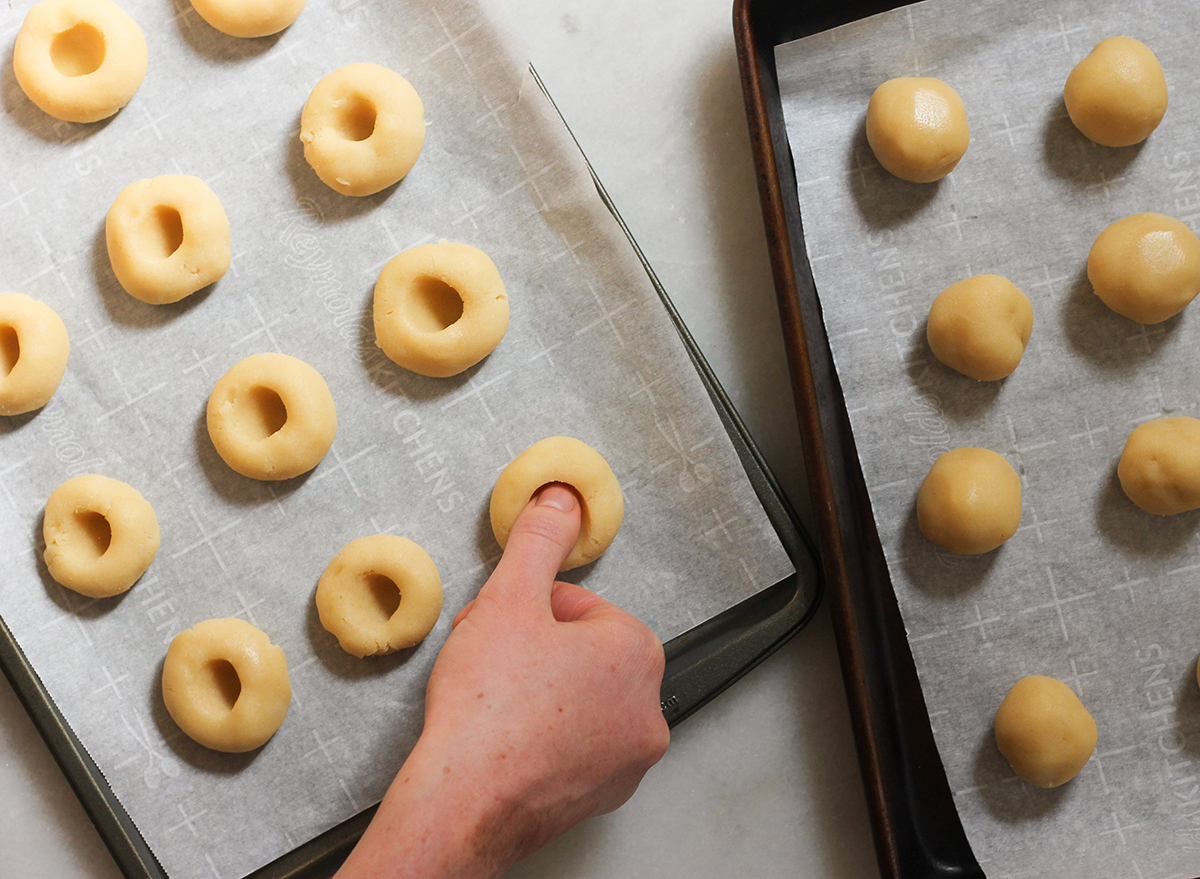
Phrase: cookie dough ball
(363, 127)
(167, 238)
(226, 685)
(33, 353)
(1160, 466)
(1044, 731)
(440, 308)
(980, 326)
(917, 128)
(1117, 95)
(249, 18)
(79, 60)
(271, 417)
(1146, 267)
(380, 594)
(573, 463)
(970, 501)
(101, 535)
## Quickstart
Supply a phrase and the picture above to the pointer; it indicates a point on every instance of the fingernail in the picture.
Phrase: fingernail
(558, 496)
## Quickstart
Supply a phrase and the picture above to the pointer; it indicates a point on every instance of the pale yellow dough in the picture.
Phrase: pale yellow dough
(380, 594)
(1117, 95)
(79, 60)
(573, 463)
(1160, 466)
(271, 417)
(101, 535)
(440, 308)
(917, 128)
(980, 326)
(1044, 731)
(34, 348)
(226, 685)
(167, 238)
(970, 501)
(249, 18)
(1146, 267)
(362, 127)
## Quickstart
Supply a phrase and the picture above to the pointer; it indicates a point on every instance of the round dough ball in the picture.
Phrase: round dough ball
(167, 238)
(101, 535)
(571, 462)
(79, 60)
(980, 326)
(970, 501)
(226, 685)
(380, 594)
(249, 18)
(363, 127)
(271, 417)
(1160, 466)
(33, 353)
(1044, 731)
(917, 128)
(440, 308)
(1146, 267)
(1117, 95)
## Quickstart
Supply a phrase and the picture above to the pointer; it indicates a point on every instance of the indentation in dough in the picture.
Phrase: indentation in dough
(226, 686)
(160, 232)
(79, 50)
(96, 529)
(356, 117)
(264, 413)
(435, 305)
(10, 349)
(385, 594)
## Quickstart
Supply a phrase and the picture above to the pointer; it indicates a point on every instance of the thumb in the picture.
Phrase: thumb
(541, 539)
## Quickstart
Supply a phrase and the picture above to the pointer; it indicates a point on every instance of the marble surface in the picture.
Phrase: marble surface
(763, 781)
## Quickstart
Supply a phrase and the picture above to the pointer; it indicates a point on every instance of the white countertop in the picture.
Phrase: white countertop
(763, 781)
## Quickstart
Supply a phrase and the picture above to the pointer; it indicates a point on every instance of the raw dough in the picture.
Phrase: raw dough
(249, 18)
(79, 60)
(917, 128)
(363, 127)
(440, 308)
(1160, 466)
(167, 238)
(1146, 267)
(1044, 731)
(101, 535)
(573, 463)
(380, 594)
(1117, 95)
(272, 417)
(226, 685)
(33, 353)
(970, 501)
(980, 326)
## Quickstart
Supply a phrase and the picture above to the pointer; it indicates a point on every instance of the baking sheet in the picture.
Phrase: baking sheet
(1090, 590)
(589, 353)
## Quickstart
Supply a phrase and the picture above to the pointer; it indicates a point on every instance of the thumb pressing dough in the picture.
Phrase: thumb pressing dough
(970, 501)
(1044, 731)
(917, 128)
(1117, 95)
(980, 326)
(1146, 267)
(1160, 466)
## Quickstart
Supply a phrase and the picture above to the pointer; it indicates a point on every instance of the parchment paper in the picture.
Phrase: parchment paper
(1090, 590)
(589, 353)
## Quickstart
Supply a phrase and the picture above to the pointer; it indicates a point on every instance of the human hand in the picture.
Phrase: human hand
(542, 710)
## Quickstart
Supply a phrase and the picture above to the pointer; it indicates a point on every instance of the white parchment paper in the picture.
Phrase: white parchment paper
(589, 353)
(1090, 590)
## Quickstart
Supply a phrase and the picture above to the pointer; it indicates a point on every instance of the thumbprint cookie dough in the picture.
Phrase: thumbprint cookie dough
(1117, 95)
(917, 128)
(440, 308)
(380, 594)
(79, 60)
(980, 326)
(1146, 267)
(271, 417)
(573, 463)
(33, 353)
(970, 501)
(1044, 731)
(226, 685)
(1160, 466)
(362, 127)
(167, 238)
(249, 18)
(101, 535)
